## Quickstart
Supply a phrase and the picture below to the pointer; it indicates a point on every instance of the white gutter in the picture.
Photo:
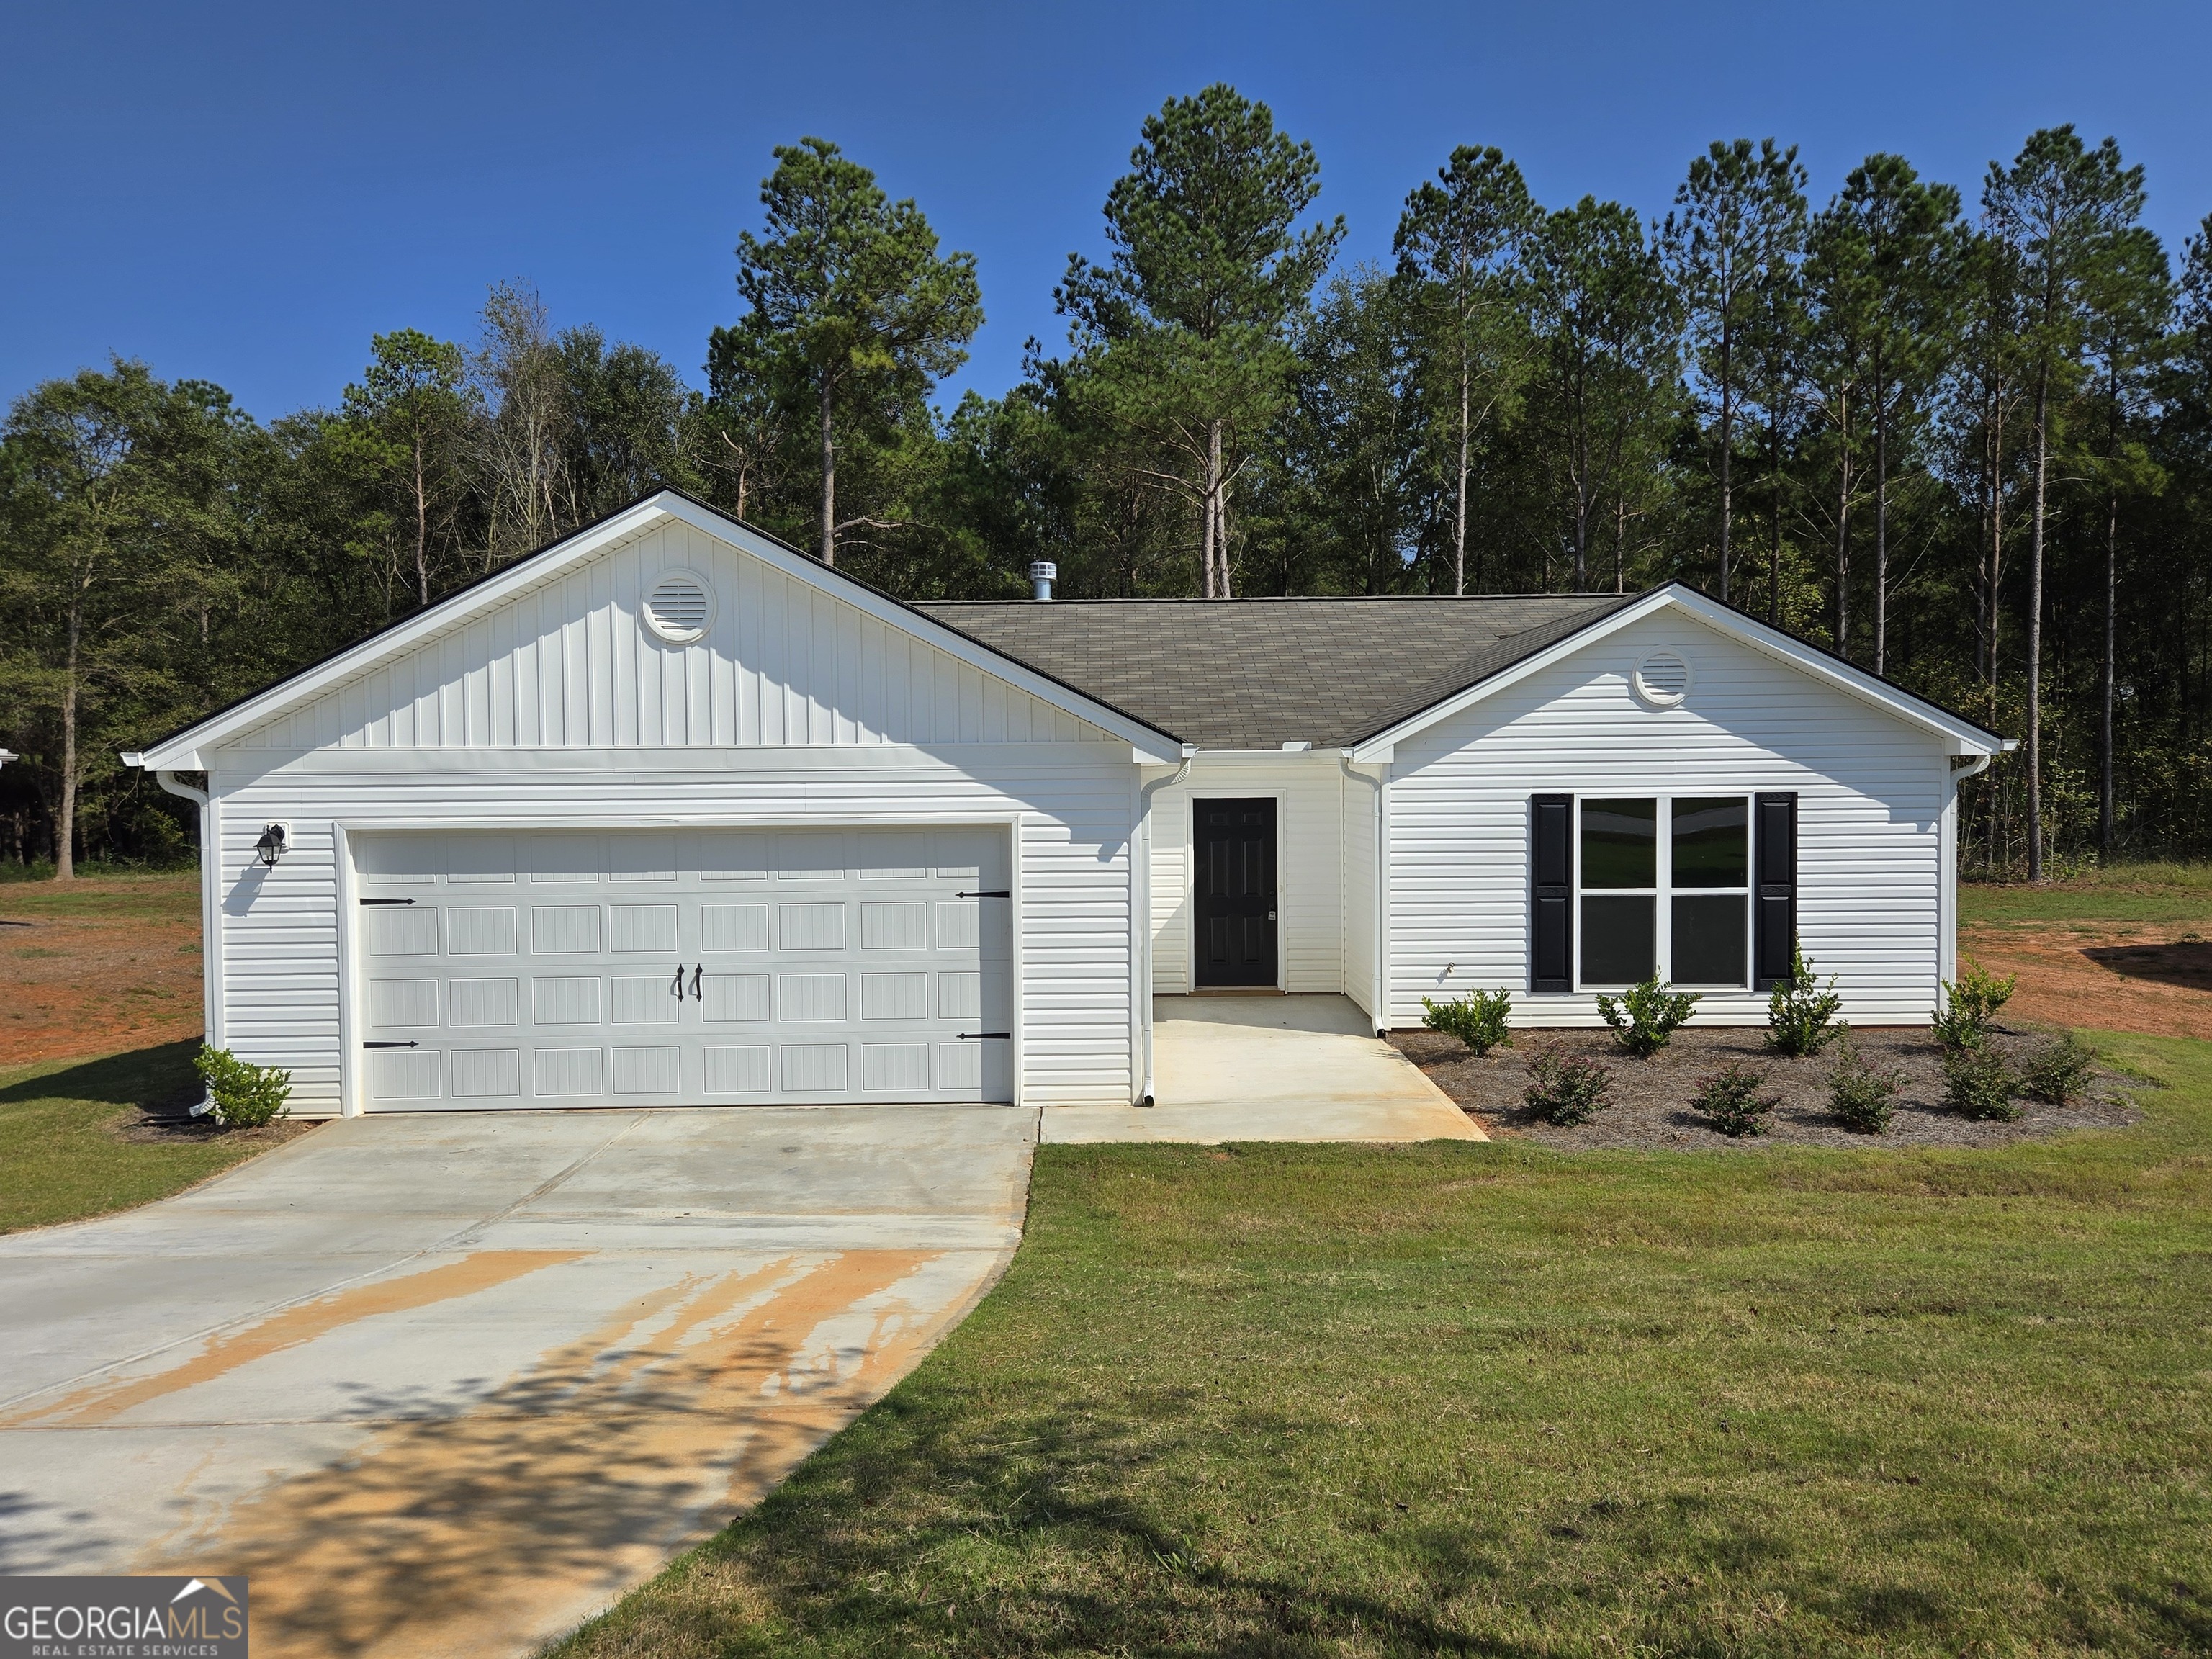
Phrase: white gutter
(1144, 985)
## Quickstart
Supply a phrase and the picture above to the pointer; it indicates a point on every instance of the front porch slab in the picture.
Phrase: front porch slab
(1270, 1068)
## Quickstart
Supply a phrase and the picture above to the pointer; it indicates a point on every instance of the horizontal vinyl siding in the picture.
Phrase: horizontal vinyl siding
(567, 664)
(1871, 792)
(280, 945)
(1357, 806)
(1308, 874)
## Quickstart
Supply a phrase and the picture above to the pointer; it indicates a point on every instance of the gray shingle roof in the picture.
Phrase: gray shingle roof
(1259, 673)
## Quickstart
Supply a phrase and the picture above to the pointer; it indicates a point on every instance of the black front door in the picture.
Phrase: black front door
(1236, 891)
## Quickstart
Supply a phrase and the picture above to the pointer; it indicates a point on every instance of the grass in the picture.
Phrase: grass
(2148, 892)
(108, 894)
(12, 873)
(60, 1159)
(1496, 1400)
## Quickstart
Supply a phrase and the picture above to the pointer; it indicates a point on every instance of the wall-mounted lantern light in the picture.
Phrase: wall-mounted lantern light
(271, 847)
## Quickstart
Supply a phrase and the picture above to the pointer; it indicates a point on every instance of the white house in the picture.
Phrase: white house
(670, 813)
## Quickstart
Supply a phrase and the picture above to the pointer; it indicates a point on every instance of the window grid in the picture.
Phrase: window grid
(1662, 891)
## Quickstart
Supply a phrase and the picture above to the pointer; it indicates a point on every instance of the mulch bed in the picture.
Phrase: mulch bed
(1650, 1108)
(169, 1129)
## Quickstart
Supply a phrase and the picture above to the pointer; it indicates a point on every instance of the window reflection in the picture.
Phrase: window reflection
(1621, 843)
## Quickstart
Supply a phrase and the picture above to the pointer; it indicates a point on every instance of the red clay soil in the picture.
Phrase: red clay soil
(2115, 976)
(97, 981)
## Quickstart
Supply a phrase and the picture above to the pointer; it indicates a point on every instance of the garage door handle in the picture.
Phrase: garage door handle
(698, 978)
(391, 1045)
(974, 1037)
(676, 989)
(1000, 895)
(387, 900)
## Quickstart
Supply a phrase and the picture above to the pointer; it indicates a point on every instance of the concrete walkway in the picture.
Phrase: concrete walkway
(445, 1384)
(1270, 1068)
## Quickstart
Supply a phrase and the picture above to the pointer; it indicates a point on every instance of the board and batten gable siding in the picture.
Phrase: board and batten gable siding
(566, 664)
(1309, 871)
(559, 710)
(1873, 795)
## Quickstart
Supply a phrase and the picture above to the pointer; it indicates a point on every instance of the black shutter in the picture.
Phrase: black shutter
(1774, 890)
(1551, 892)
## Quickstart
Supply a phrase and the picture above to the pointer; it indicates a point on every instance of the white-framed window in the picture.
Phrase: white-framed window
(1664, 882)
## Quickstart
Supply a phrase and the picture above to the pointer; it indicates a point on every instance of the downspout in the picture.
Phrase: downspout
(211, 939)
(1144, 935)
(1975, 766)
(1377, 990)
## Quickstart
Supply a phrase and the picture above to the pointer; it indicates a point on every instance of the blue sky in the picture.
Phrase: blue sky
(245, 193)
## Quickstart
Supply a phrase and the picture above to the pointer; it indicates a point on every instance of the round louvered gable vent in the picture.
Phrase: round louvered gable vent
(680, 608)
(1662, 679)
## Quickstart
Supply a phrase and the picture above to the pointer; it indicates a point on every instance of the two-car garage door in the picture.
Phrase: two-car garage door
(683, 968)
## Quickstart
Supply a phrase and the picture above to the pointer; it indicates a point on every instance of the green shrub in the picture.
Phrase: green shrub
(1976, 1084)
(1565, 1088)
(2058, 1073)
(245, 1096)
(1969, 1005)
(1478, 1020)
(1801, 1015)
(1731, 1098)
(1645, 1015)
(1861, 1098)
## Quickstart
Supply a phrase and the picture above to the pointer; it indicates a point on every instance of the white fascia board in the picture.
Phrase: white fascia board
(1960, 736)
(184, 752)
(1275, 758)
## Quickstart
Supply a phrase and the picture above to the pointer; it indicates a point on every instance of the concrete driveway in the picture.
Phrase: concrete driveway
(445, 1384)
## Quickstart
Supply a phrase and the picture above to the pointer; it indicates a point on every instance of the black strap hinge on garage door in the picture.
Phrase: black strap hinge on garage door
(973, 1037)
(998, 895)
(387, 900)
(391, 1045)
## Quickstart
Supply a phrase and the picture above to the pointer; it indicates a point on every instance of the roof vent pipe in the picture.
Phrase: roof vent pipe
(1043, 574)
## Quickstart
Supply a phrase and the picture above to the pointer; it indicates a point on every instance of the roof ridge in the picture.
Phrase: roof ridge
(1301, 598)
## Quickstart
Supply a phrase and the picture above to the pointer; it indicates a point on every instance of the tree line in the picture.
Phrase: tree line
(1965, 444)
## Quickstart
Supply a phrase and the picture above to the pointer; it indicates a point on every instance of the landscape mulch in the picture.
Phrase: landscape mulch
(170, 1129)
(1650, 1108)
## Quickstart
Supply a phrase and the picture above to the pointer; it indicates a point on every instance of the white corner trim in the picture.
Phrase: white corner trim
(1962, 736)
(183, 752)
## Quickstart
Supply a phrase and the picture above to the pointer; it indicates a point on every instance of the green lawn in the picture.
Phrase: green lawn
(2126, 892)
(151, 895)
(59, 1160)
(1495, 1400)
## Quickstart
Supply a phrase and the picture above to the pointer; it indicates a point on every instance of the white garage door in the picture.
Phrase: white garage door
(707, 968)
